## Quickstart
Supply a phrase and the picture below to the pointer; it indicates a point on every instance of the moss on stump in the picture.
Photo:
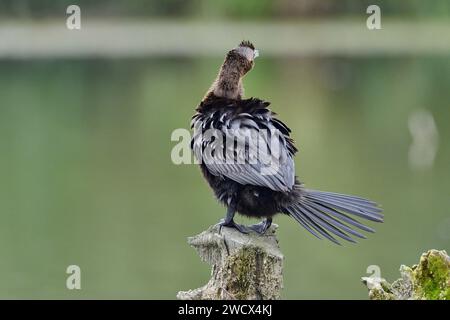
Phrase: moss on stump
(428, 280)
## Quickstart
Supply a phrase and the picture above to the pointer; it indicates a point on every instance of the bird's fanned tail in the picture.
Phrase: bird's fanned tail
(328, 214)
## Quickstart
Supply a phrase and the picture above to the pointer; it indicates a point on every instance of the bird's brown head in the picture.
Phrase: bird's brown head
(238, 62)
(242, 58)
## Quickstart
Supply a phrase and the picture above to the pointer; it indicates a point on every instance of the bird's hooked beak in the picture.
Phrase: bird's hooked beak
(255, 53)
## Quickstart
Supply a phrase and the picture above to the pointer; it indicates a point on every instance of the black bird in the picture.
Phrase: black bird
(251, 187)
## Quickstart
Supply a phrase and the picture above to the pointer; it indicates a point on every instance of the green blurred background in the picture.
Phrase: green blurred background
(87, 178)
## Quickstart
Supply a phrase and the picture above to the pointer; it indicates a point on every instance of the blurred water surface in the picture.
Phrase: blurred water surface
(87, 177)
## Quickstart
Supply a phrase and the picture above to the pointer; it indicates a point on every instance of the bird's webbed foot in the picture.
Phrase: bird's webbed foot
(231, 224)
(261, 227)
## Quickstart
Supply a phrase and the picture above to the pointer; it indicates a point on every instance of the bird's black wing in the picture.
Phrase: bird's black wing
(262, 151)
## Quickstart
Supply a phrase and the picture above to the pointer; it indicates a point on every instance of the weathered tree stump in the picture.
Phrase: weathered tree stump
(428, 280)
(244, 266)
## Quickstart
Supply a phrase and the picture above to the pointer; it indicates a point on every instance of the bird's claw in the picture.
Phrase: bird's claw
(231, 224)
(261, 227)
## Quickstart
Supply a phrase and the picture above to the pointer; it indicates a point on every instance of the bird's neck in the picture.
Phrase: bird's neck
(228, 83)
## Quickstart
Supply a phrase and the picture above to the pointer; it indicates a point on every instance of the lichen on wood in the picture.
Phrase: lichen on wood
(244, 266)
(428, 280)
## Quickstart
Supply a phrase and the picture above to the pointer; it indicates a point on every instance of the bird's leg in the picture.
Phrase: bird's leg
(229, 222)
(261, 227)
